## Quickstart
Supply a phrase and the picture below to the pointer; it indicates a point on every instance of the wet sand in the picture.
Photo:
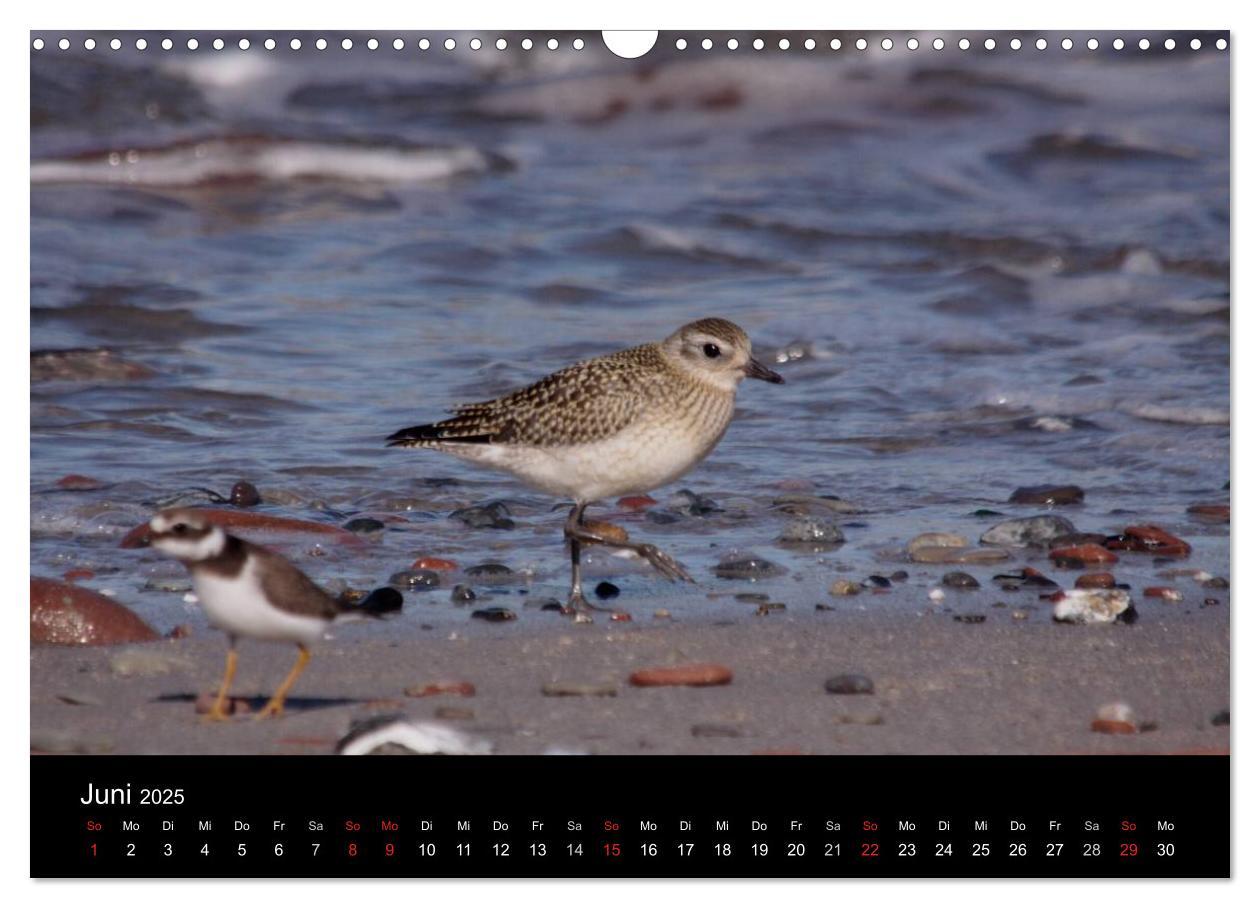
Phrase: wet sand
(941, 686)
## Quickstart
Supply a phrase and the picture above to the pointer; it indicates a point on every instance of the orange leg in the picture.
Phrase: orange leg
(217, 712)
(275, 706)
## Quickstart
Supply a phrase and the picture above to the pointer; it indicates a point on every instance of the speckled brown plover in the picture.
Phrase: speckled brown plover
(628, 422)
(249, 591)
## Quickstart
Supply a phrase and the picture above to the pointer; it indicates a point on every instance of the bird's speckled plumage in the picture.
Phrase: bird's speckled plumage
(626, 422)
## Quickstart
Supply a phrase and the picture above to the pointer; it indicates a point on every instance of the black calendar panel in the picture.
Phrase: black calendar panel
(630, 817)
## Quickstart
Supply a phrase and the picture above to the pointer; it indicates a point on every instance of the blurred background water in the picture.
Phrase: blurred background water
(977, 270)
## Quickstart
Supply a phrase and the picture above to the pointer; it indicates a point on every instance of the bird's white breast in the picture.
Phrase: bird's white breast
(640, 458)
(238, 606)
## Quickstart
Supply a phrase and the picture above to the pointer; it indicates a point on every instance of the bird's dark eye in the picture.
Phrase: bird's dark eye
(179, 529)
(712, 351)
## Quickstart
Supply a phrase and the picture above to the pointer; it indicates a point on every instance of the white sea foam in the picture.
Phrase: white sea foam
(268, 160)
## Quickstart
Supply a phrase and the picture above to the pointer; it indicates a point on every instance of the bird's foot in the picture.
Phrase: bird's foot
(582, 611)
(273, 710)
(665, 565)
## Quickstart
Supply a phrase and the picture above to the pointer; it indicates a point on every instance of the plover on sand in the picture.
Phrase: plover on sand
(631, 421)
(249, 591)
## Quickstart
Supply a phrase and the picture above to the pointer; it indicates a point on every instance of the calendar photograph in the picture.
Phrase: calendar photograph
(764, 394)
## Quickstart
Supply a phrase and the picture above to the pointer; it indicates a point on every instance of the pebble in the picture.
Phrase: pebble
(970, 618)
(899, 576)
(1115, 719)
(1028, 531)
(415, 580)
(937, 595)
(79, 698)
(78, 574)
(1019, 615)
(1151, 539)
(1221, 718)
(844, 587)
(363, 525)
(168, 584)
(1102, 580)
(849, 684)
(1093, 607)
(934, 541)
(462, 593)
(578, 689)
(960, 580)
(621, 616)
(688, 502)
(636, 502)
(606, 590)
(494, 613)
(75, 482)
(179, 632)
(1090, 553)
(958, 555)
(62, 613)
(1162, 592)
(803, 505)
(1210, 512)
(1027, 577)
(767, 607)
(146, 661)
(490, 570)
(695, 675)
(823, 607)
(433, 564)
(493, 515)
(1216, 583)
(439, 688)
(860, 717)
(715, 730)
(244, 495)
(1048, 495)
(875, 581)
(749, 568)
(812, 531)
(661, 613)
(752, 597)
(454, 713)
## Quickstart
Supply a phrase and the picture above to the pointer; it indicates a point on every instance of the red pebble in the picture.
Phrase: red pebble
(1152, 539)
(1089, 553)
(636, 502)
(436, 688)
(1099, 581)
(1209, 511)
(76, 483)
(1113, 727)
(621, 616)
(434, 564)
(701, 675)
(1162, 592)
(78, 574)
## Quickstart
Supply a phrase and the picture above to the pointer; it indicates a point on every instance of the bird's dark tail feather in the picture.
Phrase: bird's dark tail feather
(416, 436)
(380, 603)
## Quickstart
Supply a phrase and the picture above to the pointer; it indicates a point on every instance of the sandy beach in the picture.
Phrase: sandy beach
(940, 686)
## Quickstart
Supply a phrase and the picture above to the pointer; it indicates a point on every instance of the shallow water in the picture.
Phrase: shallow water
(976, 273)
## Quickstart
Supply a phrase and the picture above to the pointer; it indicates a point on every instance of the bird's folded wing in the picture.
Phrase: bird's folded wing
(289, 590)
(578, 405)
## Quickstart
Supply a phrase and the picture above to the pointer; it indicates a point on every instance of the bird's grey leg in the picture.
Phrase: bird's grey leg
(579, 533)
(573, 532)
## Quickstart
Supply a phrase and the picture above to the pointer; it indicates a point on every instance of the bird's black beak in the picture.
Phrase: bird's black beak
(755, 369)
